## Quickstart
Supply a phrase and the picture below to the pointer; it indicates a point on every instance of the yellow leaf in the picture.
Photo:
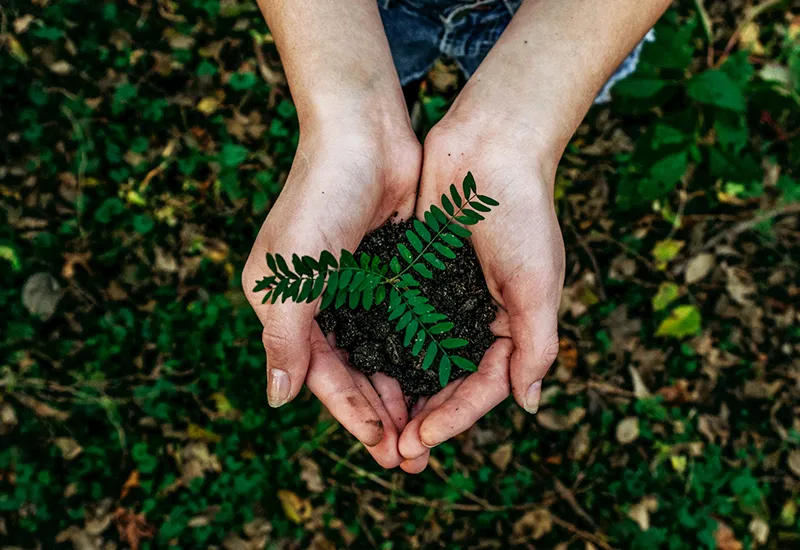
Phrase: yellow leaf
(667, 293)
(134, 197)
(208, 105)
(196, 432)
(17, 51)
(296, 509)
(678, 463)
(10, 255)
(682, 321)
(223, 405)
(666, 250)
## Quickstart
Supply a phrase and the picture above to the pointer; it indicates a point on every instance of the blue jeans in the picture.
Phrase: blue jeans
(421, 31)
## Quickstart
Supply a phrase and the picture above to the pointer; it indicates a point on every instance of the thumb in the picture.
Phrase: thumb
(286, 337)
(535, 336)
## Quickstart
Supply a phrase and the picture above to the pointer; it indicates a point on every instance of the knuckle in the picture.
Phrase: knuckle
(550, 349)
(276, 338)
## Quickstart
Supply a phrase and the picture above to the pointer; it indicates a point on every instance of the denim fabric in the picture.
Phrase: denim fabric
(421, 31)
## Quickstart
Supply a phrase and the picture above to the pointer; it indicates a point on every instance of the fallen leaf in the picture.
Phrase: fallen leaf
(42, 410)
(133, 527)
(296, 509)
(794, 462)
(131, 483)
(551, 420)
(640, 512)
(580, 444)
(310, 473)
(208, 105)
(41, 294)
(667, 293)
(69, 447)
(628, 430)
(533, 525)
(725, 538)
(682, 321)
(666, 250)
(8, 418)
(698, 267)
(759, 529)
(640, 390)
(61, 68)
(196, 432)
(502, 456)
(678, 463)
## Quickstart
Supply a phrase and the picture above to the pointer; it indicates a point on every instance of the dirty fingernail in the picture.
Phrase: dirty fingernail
(532, 397)
(277, 387)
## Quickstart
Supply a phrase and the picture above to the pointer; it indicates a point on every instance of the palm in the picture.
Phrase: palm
(521, 252)
(335, 194)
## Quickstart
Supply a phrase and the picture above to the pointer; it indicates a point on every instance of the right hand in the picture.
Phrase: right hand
(347, 179)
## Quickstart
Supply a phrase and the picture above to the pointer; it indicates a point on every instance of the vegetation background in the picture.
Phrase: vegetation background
(143, 142)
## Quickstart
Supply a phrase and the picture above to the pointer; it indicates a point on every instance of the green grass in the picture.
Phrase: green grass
(141, 151)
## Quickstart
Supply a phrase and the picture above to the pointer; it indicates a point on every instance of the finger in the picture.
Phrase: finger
(416, 465)
(501, 325)
(385, 452)
(286, 334)
(410, 445)
(481, 392)
(390, 393)
(535, 336)
(333, 385)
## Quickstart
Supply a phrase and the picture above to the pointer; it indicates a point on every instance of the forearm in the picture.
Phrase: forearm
(551, 61)
(336, 58)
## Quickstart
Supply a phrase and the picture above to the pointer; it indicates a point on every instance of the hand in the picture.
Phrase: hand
(347, 179)
(521, 251)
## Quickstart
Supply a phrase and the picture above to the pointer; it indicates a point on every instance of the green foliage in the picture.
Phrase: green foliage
(364, 283)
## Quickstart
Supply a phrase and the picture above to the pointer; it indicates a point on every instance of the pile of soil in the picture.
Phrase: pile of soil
(369, 338)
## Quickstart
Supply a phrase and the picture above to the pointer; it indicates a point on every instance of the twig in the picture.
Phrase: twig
(745, 225)
(594, 539)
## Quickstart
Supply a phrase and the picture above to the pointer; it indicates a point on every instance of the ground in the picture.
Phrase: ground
(143, 143)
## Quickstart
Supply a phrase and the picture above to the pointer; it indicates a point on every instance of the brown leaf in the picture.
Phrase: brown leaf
(794, 462)
(549, 419)
(69, 447)
(698, 267)
(311, 474)
(640, 512)
(580, 444)
(502, 456)
(725, 538)
(132, 527)
(131, 483)
(533, 525)
(296, 509)
(41, 294)
(760, 530)
(42, 409)
(628, 430)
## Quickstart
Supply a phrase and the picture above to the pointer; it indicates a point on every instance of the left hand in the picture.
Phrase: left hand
(521, 252)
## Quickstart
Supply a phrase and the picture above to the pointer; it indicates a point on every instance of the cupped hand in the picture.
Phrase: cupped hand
(344, 182)
(521, 252)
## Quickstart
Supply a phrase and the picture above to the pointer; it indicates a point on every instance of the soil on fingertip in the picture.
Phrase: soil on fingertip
(369, 338)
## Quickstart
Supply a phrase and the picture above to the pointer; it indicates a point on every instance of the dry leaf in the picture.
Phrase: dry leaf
(502, 456)
(580, 444)
(699, 267)
(208, 105)
(794, 462)
(640, 512)
(533, 525)
(725, 538)
(639, 388)
(130, 483)
(759, 529)
(8, 418)
(549, 419)
(132, 527)
(296, 509)
(41, 294)
(69, 447)
(628, 430)
(42, 409)
(311, 474)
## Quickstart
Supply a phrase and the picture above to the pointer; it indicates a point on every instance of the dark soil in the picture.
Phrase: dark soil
(369, 338)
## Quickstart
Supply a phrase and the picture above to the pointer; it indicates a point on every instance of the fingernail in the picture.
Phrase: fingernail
(277, 387)
(532, 397)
